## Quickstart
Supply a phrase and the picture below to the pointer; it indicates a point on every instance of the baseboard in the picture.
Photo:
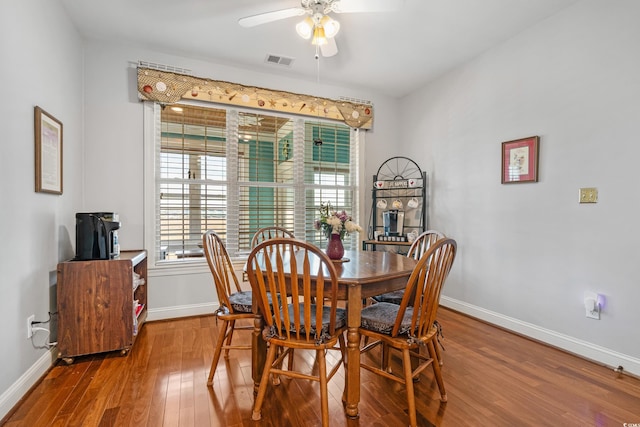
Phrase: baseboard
(587, 350)
(20, 388)
(175, 312)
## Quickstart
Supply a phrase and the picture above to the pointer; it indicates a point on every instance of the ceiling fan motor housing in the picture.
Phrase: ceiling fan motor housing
(318, 9)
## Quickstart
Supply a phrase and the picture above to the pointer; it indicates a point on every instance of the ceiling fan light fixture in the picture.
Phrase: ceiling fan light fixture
(304, 28)
(319, 37)
(330, 25)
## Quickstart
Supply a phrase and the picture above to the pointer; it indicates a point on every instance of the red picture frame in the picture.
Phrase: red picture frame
(520, 160)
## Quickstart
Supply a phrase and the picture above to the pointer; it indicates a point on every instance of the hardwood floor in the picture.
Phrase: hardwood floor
(492, 377)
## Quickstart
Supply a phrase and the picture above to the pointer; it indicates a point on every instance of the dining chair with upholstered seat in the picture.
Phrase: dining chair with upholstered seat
(300, 274)
(235, 304)
(266, 233)
(408, 326)
(416, 250)
(424, 242)
(271, 232)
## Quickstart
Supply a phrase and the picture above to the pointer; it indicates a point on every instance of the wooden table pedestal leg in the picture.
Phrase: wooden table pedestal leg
(352, 378)
(258, 352)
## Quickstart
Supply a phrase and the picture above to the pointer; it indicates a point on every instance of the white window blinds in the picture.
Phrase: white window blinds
(192, 179)
(238, 171)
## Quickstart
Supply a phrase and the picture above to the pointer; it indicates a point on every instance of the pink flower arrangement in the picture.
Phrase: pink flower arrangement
(334, 222)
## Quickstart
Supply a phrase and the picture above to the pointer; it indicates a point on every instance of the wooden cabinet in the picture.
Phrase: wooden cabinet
(102, 304)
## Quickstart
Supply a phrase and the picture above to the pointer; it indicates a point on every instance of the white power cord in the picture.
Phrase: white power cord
(47, 344)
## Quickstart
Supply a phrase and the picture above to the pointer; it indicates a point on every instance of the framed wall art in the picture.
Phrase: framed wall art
(48, 139)
(520, 160)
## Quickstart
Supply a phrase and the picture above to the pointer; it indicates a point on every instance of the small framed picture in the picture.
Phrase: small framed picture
(520, 160)
(48, 144)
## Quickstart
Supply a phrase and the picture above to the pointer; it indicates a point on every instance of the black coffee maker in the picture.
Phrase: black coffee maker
(96, 235)
(393, 221)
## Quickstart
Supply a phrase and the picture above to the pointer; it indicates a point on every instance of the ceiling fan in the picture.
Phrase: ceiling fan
(318, 25)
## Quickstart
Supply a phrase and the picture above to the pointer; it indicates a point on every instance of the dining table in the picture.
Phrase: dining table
(361, 274)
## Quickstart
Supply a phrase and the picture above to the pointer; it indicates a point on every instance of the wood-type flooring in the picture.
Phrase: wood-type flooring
(493, 378)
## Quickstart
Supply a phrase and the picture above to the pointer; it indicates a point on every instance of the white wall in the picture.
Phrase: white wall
(114, 153)
(41, 64)
(527, 252)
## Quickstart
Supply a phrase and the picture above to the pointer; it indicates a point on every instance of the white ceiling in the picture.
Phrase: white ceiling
(392, 52)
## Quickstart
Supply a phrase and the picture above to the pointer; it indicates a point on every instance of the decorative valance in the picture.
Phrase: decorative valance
(167, 87)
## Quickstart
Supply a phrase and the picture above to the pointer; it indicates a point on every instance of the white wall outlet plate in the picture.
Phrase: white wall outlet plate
(30, 321)
(592, 305)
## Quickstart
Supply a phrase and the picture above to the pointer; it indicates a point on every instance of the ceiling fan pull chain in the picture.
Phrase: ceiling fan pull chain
(318, 63)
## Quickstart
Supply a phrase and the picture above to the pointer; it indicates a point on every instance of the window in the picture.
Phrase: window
(237, 171)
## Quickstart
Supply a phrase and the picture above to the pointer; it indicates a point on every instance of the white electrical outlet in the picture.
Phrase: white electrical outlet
(594, 314)
(592, 305)
(30, 321)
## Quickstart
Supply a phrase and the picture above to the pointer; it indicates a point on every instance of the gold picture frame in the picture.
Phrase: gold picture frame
(48, 152)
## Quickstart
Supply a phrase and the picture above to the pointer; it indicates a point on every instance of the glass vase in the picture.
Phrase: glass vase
(335, 250)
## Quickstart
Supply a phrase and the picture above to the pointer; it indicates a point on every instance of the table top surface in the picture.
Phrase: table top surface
(365, 267)
(373, 266)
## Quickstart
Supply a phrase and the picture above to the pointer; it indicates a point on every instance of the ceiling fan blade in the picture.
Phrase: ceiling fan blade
(351, 6)
(329, 49)
(263, 18)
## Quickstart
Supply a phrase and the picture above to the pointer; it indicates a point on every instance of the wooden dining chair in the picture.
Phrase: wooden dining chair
(235, 304)
(410, 325)
(271, 232)
(301, 274)
(266, 233)
(416, 250)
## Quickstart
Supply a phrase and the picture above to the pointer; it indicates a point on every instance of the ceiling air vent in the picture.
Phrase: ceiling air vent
(278, 60)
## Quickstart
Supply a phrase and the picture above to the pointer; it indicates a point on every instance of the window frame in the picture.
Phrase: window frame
(151, 135)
